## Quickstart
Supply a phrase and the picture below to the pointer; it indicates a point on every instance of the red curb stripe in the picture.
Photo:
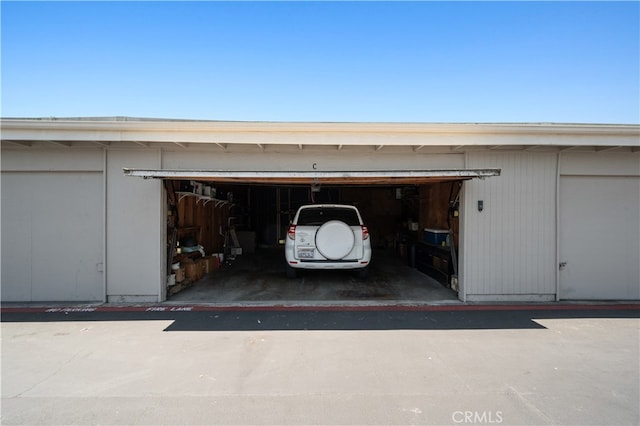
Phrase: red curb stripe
(276, 308)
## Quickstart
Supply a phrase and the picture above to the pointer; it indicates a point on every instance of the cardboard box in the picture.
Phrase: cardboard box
(191, 270)
(212, 263)
(180, 275)
(201, 265)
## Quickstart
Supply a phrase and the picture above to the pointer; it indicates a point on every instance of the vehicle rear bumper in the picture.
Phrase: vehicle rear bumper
(328, 264)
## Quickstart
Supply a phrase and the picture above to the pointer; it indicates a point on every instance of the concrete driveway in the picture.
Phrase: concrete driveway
(469, 364)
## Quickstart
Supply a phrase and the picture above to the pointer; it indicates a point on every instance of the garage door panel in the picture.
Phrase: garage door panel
(16, 240)
(56, 254)
(600, 237)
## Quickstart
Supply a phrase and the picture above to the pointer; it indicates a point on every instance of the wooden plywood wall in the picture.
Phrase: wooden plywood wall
(380, 210)
(387, 216)
(434, 207)
(205, 222)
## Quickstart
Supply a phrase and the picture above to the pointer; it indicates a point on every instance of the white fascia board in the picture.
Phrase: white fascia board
(334, 134)
(142, 125)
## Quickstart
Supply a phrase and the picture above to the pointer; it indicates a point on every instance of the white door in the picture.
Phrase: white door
(599, 237)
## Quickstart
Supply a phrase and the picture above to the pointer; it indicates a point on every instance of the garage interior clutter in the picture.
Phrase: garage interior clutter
(210, 225)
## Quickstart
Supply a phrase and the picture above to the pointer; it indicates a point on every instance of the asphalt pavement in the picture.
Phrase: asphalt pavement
(445, 365)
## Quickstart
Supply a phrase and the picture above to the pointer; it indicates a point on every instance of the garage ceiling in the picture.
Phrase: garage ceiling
(378, 177)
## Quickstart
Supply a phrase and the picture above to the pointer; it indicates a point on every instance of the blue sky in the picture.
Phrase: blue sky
(325, 61)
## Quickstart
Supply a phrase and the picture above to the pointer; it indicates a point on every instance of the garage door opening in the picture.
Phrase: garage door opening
(225, 236)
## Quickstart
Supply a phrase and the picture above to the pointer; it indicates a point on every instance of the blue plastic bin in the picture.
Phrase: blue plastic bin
(435, 236)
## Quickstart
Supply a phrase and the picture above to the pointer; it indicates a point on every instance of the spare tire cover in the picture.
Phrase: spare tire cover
(335, 239)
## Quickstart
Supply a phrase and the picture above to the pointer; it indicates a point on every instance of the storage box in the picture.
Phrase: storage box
(180, 274)
(212, 263)
(191, 270)
(202, 266)
(435, 236)
(171, 280)
(197, 187)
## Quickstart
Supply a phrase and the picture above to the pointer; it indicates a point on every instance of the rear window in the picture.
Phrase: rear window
(318, 216)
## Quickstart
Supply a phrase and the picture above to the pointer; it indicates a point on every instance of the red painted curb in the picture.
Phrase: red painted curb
(282, 308)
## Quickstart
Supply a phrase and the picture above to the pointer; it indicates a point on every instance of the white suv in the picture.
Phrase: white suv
(327, 236)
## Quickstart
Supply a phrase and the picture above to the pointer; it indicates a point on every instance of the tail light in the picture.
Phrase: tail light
(291, 233)
(365, 232)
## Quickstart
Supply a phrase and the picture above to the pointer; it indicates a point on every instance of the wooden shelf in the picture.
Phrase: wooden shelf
(182, 256)
(435, 261)
(188, 228)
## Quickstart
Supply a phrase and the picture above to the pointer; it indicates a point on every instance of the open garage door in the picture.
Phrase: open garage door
(391, 177)
(244, 215)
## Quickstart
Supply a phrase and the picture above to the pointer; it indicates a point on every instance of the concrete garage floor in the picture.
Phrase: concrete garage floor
(260, 278)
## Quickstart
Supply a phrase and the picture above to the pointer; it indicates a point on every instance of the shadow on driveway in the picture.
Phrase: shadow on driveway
(370, 318)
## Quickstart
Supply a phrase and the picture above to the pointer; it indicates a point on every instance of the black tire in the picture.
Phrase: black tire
(363, 273)
(291, 272)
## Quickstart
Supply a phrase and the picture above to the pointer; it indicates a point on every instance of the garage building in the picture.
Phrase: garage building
(92, 208)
